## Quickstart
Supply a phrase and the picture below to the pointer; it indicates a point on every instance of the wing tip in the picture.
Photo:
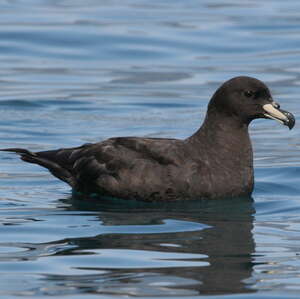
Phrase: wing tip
(20, 151)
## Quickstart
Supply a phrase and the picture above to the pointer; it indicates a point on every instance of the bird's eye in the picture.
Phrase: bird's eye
(248, 93)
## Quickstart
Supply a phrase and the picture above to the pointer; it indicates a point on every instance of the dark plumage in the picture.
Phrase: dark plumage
(216, 161)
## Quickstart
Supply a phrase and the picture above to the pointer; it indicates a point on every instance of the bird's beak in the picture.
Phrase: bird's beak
(271, 110)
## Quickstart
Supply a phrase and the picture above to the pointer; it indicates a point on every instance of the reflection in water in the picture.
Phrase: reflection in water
(213, 257)
(82, 71)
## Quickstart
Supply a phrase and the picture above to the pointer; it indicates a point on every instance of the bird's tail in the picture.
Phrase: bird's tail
(52, 160)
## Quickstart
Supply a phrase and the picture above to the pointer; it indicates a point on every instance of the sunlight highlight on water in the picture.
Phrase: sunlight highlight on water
(80, 71)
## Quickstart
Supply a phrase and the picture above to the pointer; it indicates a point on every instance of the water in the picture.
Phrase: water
(81, 71)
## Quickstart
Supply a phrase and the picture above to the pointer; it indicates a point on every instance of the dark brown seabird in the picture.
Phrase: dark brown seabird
(215, 162)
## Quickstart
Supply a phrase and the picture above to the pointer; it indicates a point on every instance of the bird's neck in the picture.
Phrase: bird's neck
(223, 131)
(227, 137)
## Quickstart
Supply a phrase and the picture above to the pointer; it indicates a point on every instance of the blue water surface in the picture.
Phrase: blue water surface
(79, 71)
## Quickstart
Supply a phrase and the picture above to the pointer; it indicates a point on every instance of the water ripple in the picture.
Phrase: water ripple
(81, 71)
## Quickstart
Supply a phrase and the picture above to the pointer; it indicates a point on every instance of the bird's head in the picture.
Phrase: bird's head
(246, 99)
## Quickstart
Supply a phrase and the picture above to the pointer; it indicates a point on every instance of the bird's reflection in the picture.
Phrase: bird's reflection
(224, 244)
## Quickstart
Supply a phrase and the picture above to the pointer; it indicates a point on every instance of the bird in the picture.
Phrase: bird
(214, 162)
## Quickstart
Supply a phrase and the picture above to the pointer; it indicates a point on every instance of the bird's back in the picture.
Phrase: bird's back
(127, 167)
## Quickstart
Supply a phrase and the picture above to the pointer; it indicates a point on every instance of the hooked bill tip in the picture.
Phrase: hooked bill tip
(284, 117)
